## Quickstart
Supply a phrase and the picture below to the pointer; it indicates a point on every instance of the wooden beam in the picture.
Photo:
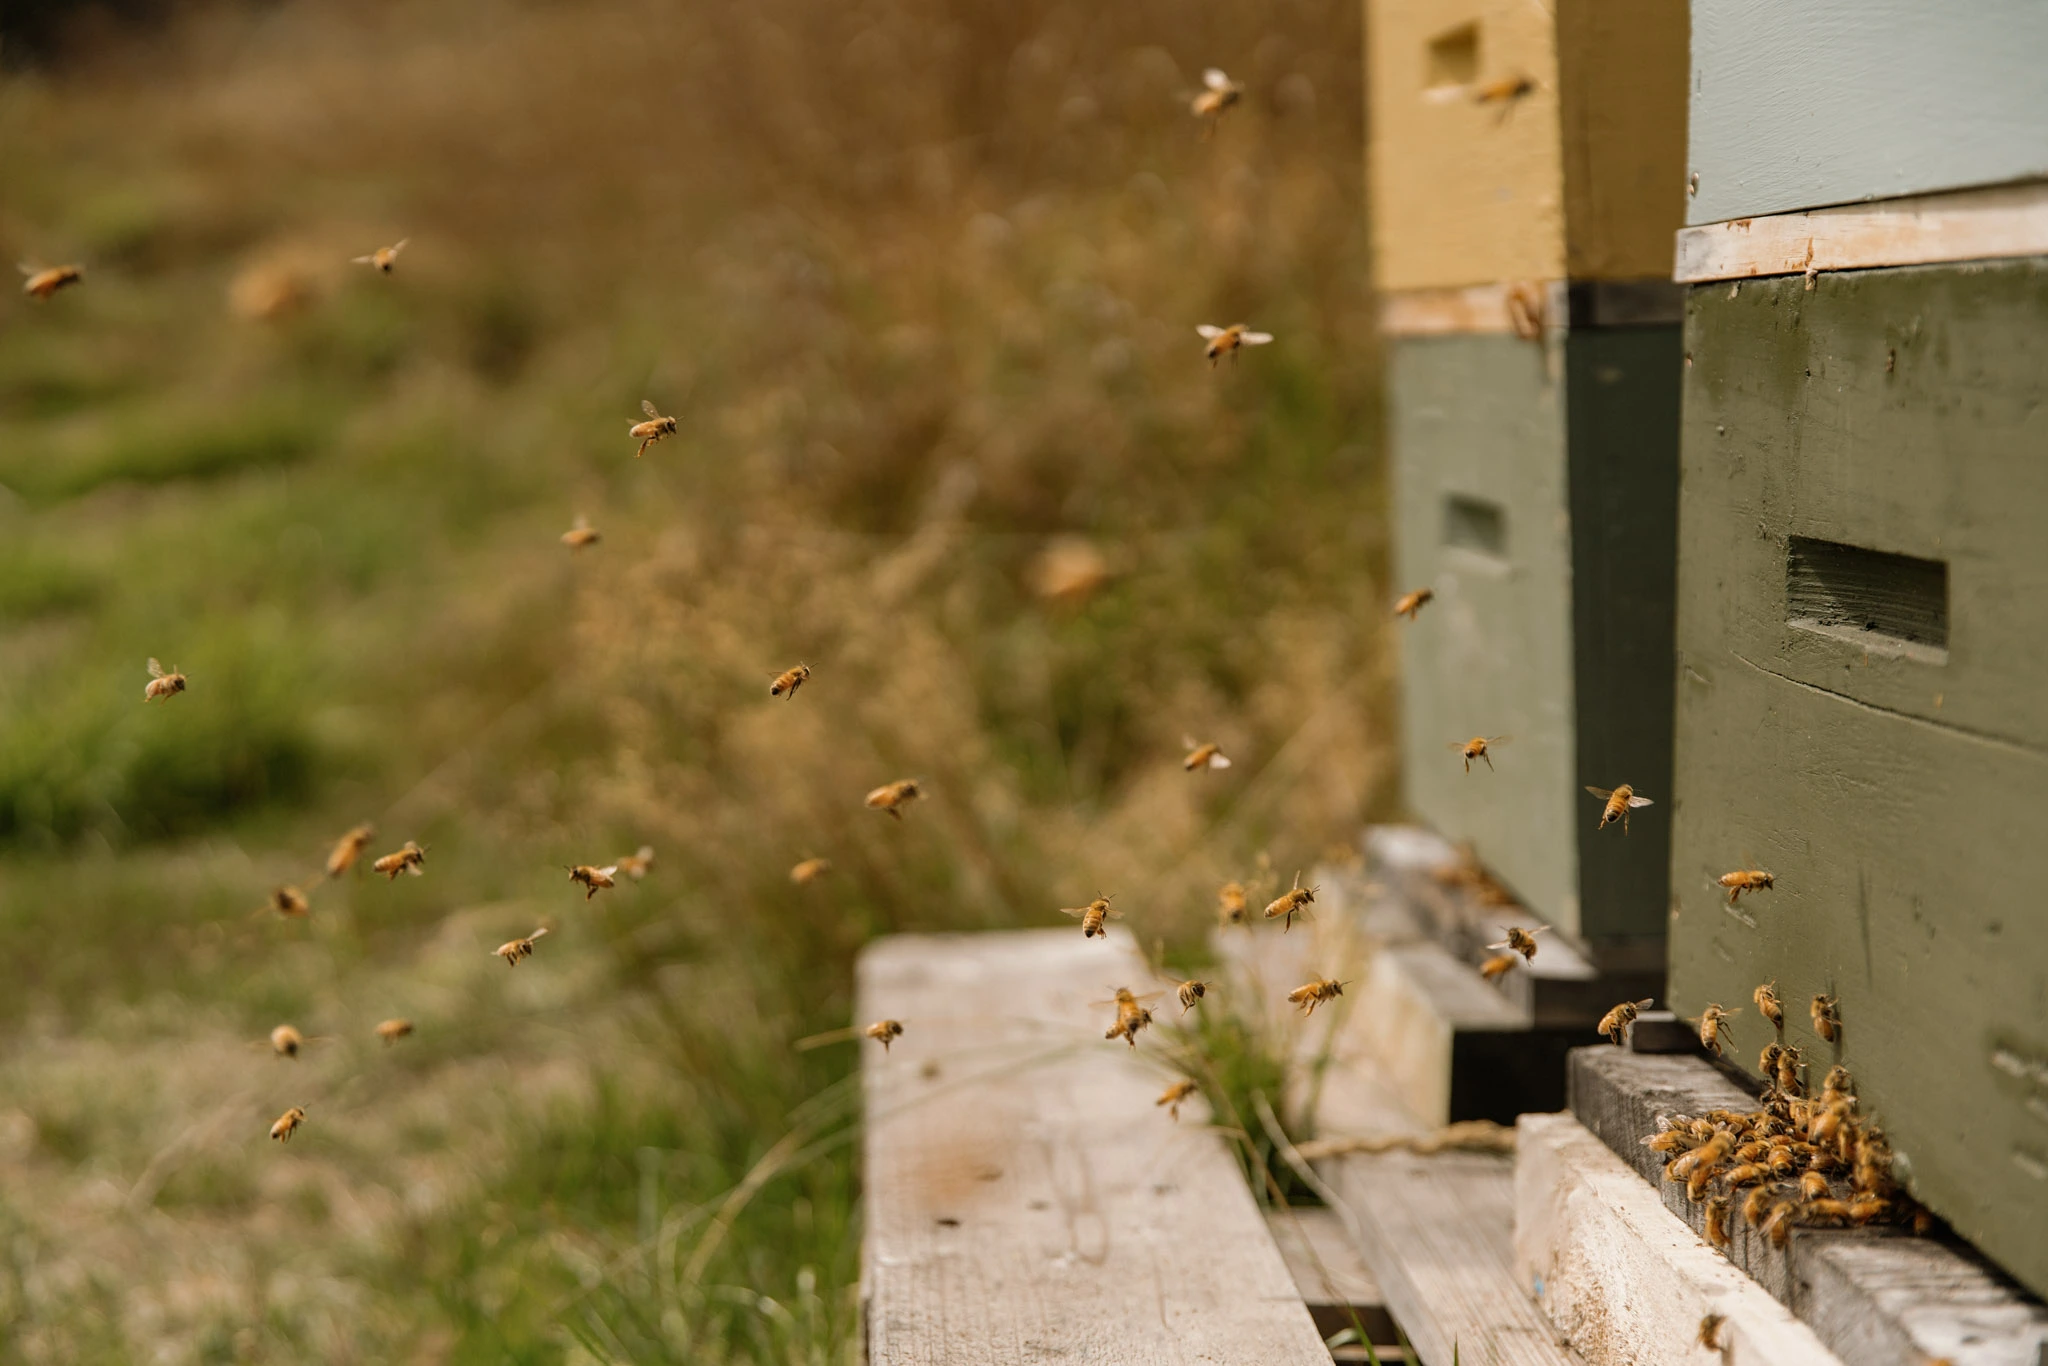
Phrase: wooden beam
(1972, 225)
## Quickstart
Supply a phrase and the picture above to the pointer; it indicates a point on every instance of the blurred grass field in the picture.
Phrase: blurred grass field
(920, 279)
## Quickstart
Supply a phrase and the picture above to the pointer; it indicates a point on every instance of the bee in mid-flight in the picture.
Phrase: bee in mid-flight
(636, 864)
(1190, 992)
(1131, 1016)
(652, 430)
(1209, 755)
(1476, 748)
(512, 950)
(288, 1124)
(383, 258)
(891, 797)
(1219, 92)
(1291, 902)
(286, 1041)
(1309, 995)
(1766, 998)
(348, 849)
(810, 870)
(289, 902)
(1411, 603)
(1614, 1024)
(1497, 966)
(1230, 904)
(43, 281)
(1173, 1095)
(1505, 92)
(1746, 880)
(409, 859)
(1520, 941)
(162, 683)
(1827, 1018)
(1227, 341)
(789, 680)
(1712, 1021)
(884, 1032)
(391, 1031)
(581, 534)
(1620, 802)
(1092, 915)
(594, 879)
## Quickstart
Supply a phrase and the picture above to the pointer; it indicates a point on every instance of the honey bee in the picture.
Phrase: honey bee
(406, 860)
(1748, 1174)
(288, 1124)
(1777, 1225)
(1309, 995)
(289, 902)
(1767, 1061)
(1754, 1206)
(348, 849)
(1190, 992)
(391, 1031)
(43, 281)
(1131, 1016)
(1766, 998)
(1746, 880)
(809, 871)
(515, 949)
(1614, 1024)
(1619, 803)
(1812, 1186)
(162, 683)
(1712, 1021)
(1209, 755)
(1520, 941)
(1827, 1209)
(1411, 603)
(1838, 1084)
(884, 1032)
(1497, 966)
(1668, 1140)
(1865, 1208)
(1717, 1221)
(789, 680)
(286, 1041)
(1218, 94)
(581, 534)
(652, 430)
(1230, 904)
(1227, 341)
(1827, 1019)
(594, 880)
(1476, 748)
(1092, 915)
(1173, 1095)
(890, 797)
(383, 258)
(1710, 1331)
(1505, 92)
(1790, 1059)
(1289, 902)
(1784, 1163)
(636, 864)
(1709, 1155)
(1696, 1184)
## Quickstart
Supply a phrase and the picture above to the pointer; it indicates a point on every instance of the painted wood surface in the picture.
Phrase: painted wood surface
(1967, 226)
(1025, 1199)
(1795, 106)
(1621, 76)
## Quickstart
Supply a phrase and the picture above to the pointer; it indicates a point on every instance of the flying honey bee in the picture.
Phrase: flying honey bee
(1614, 1024)
(890, 797)
(1505, 92)
(809, 871)
(409, 859)
(1092, 915)
(1228, 341)
(348, 849)
(286, 1041)
(162, 683)
(594, 880)
(288, 902)
(884, 1032)
(513, 950)
(1230, 904)
(391, 1031)
(1218, 94)
(1209, 755)
(1411, 603)
(581, 534)
(1712, 1021)
(1520, 941)
(43, 281)
(288, 1124)
(1190, 992)
(652, 430)
(1827, 1018)
(789, 680)
(636, 864)
(1619, 803)
(1497, 966)
(1476, 748)
(1746, 880)
(1173, 1095)
(1710, 1332)
(1131, 1015)
(1290, 902)
(1309, 995)
(383, 258)
(1766, 998)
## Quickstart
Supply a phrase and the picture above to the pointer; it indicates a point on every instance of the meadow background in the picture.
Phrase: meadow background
(920, 279)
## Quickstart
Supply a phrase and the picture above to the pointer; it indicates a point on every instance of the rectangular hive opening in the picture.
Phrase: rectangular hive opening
(1476, 525)
(1453, 58)
(1896, 604)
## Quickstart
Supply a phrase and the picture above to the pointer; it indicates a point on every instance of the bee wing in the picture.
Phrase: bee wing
(1256, 338)
(607, 872)
(370, 260)
(29, 267)
(1113, 913)
(156, 670)
(1215, 79)
(1640, 801)
(415, 870)
(805, 1045)
(1500, 739)
(1208, 331)
(648, 408)
(398, 246)
(1219, 760)
(1501, 945)
(581, 523)
(1603, 793)
(1075, 911)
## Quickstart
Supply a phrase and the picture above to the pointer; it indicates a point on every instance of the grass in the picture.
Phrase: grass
(919, 281)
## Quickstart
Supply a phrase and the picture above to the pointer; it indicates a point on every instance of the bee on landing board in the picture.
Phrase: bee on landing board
(1411, 603)
(580, 534)
(1230, 904)
(1520, 941)
(1173, 1095)
(1228, 341)
(1827, 1018)
(1219, 92)
(1718, 1210)
(1291, 902)
(162, 683)
(1712, 1021)
(1620, 802)
(1092, 915)
(391, 1031)
(636, 864)
(1614, 1024)
(383, 258)
(1190, 992)
(288, 1124)
(1497, 966)
(410, 859)
(1766, 998)
(809, 871)
(348, 849)
(1203, 756)
(789, 680)
(43, 281)
(512, 950)
(654, 429)
(288, 902)
(594, 880)
(1309, 995)
(1476, 748)
(1746, 880)
(891, 797)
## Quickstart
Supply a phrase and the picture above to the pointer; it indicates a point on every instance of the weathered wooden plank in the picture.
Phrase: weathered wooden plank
(1333, 1279)
(1025, 1199)
(1971, 225)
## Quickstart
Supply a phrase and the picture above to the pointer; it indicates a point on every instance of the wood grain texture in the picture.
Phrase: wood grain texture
(1621, 76)
(1834, 101)
(1025, 1199)
(1970, 225)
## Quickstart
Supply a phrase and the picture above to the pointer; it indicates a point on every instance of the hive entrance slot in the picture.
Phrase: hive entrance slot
(1453, 58)
(1476, 525)
(1894, 604)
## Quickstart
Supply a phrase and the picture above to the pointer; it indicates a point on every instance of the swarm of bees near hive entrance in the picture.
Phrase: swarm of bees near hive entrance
(1230, 904)
(1131, 1015)
(1173, 1095)
(1228, 341)
(1092, 915)
(1290, 902)
(391, 1031)
(1520, 941)
(1203, 756)
(636, 864)
(884, 1032)
(383, 258)
(580, 534)
(1746, 880)
(1219, 92)
(1497, 966)
(408, 859)
(512, 950)
(809, 871)
(348, 849)
(289, 902)
(892, 797)
(1411, 603)
(1619, 803)
(594, 880)
(288, 1124)
(1614, 1024)
(1309, 995)
(654, 429)
(43, 281)
(163, 683)
(789, 680)
(1476, 748)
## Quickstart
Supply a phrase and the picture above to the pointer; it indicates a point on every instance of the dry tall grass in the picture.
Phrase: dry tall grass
(920, 280)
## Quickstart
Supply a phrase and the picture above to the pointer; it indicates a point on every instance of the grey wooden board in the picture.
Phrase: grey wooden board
(1025, 1200)
(1437, 1233)
(1834, 101)
(1875, 1297)
(1898, 801)
(1320, 1255)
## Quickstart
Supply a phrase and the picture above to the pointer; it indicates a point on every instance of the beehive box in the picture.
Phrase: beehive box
(1863, 607)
